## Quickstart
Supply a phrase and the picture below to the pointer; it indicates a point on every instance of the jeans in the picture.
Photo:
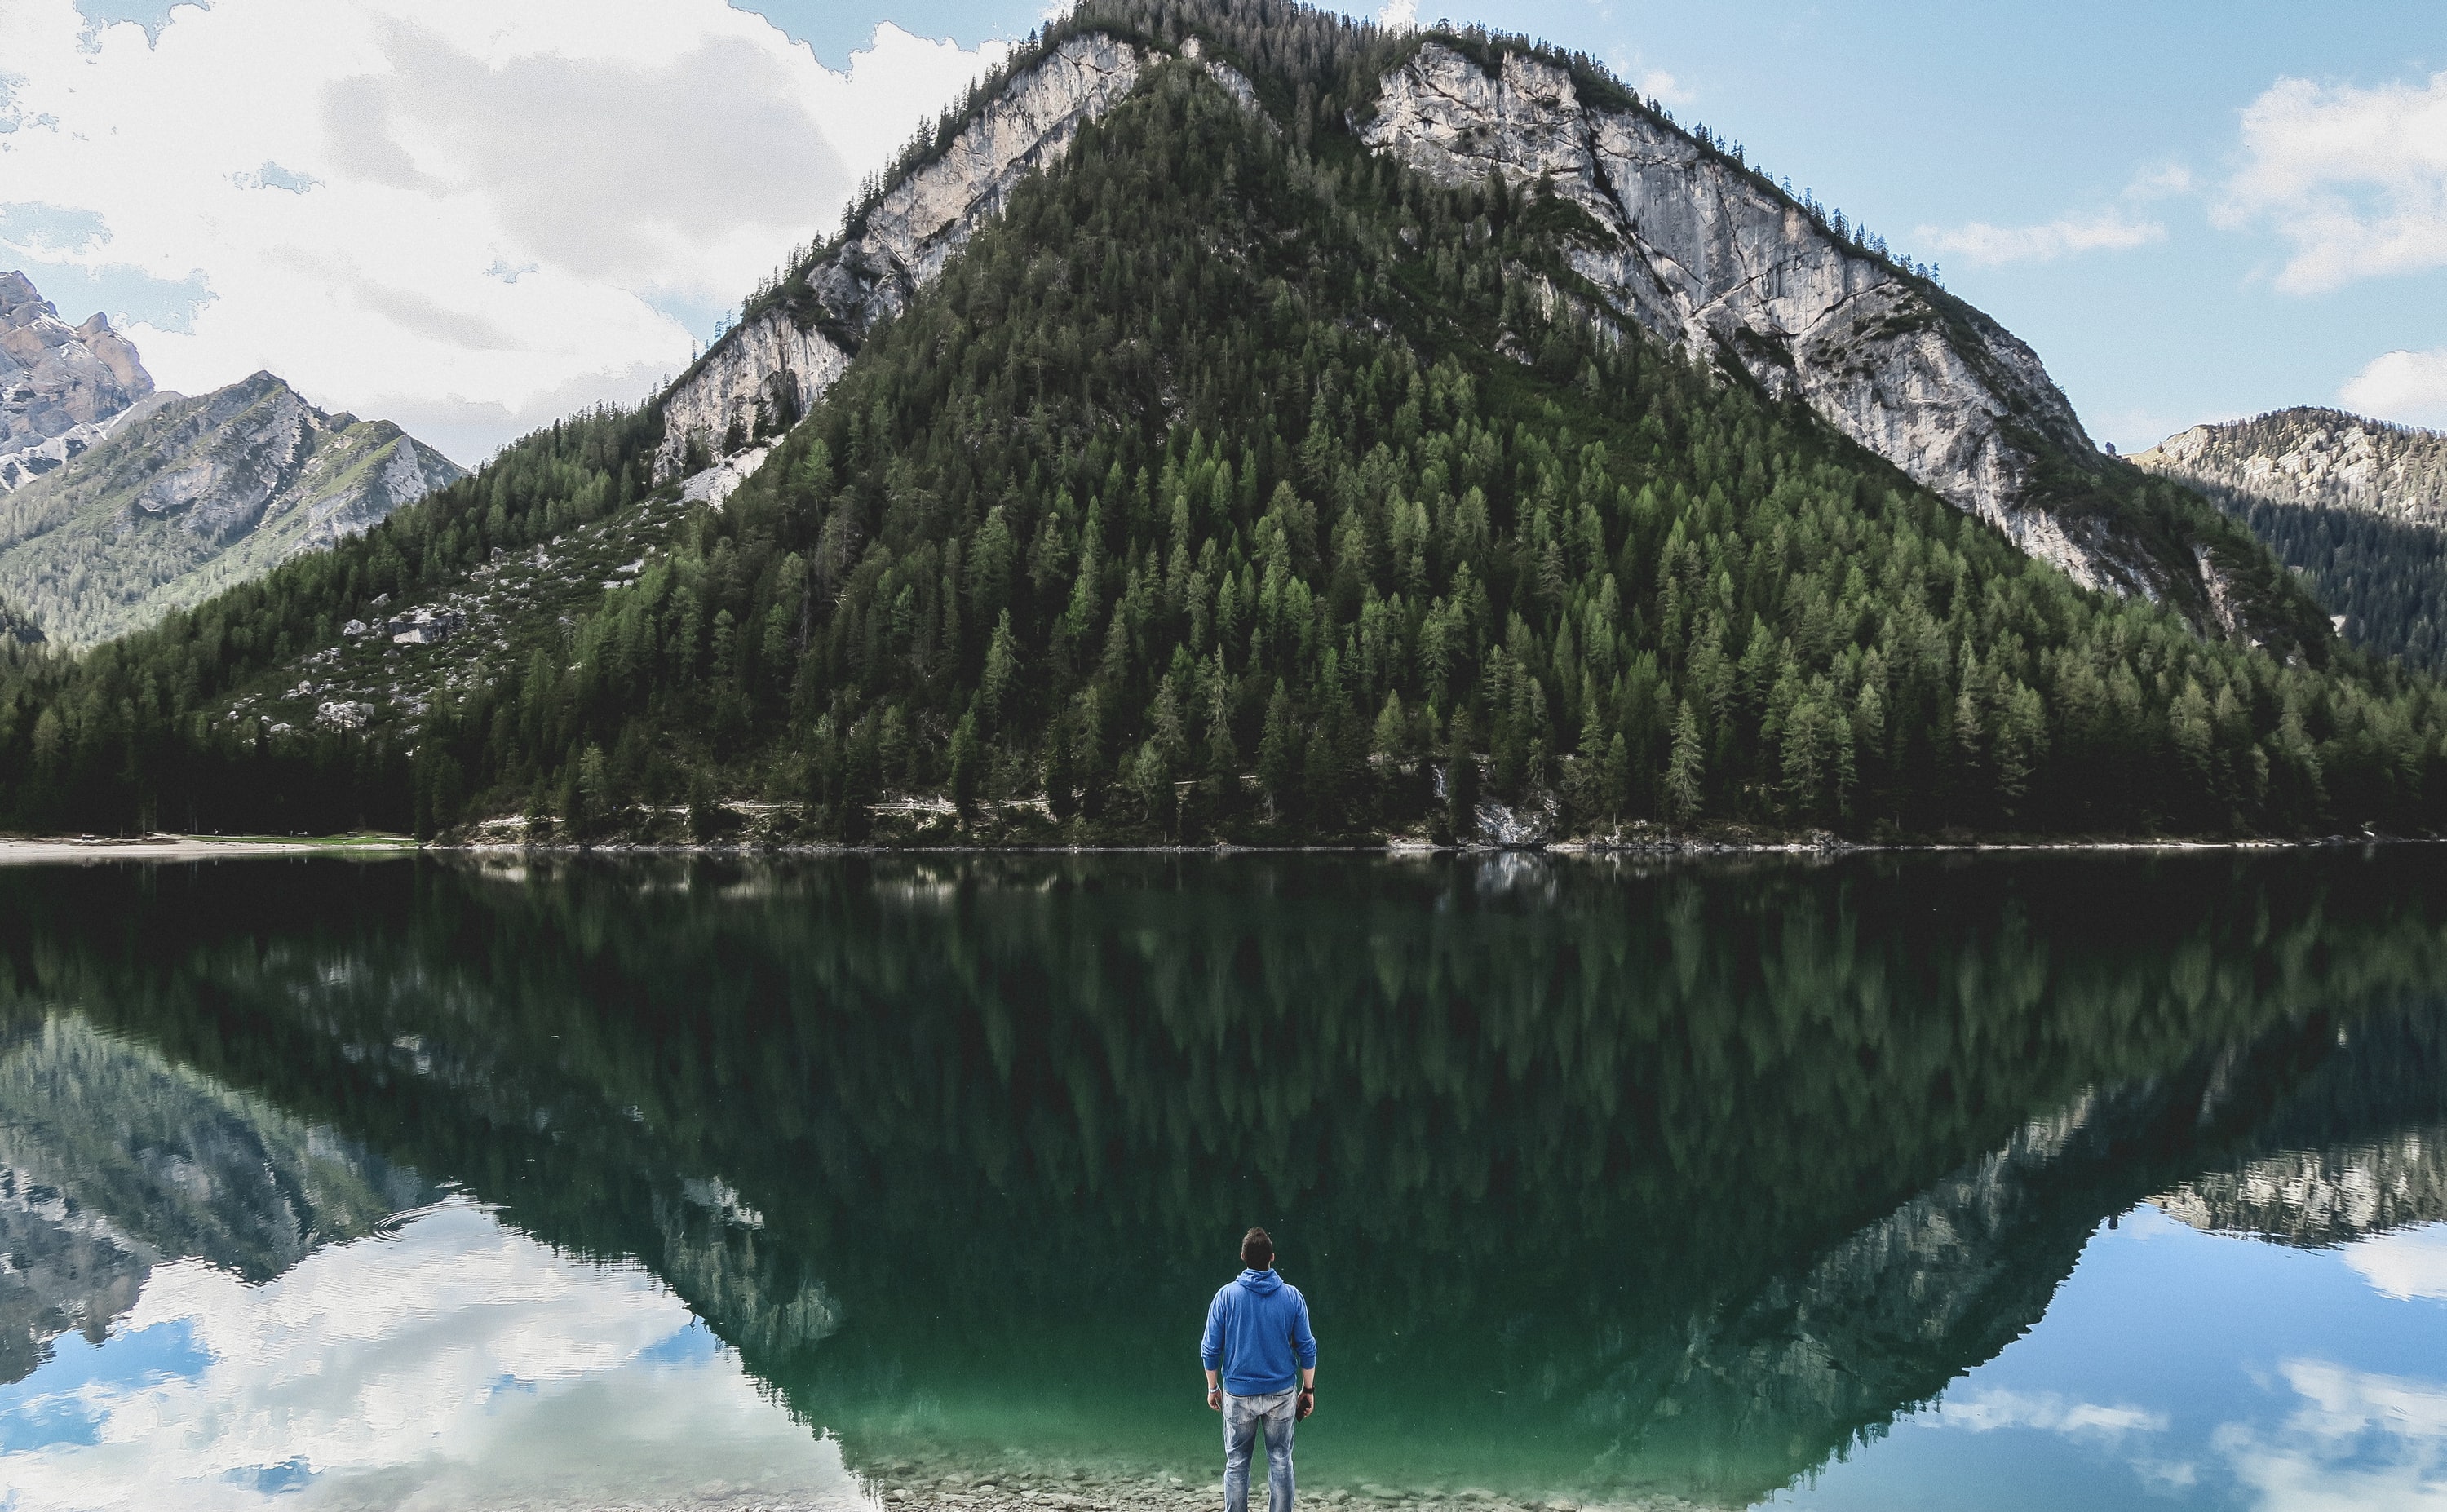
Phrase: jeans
(1244, 1417)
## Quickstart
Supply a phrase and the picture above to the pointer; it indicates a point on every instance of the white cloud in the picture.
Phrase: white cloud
(2162, 181)
(2356, 1441)
(1648, 81)
(2408, 1263)
(2356, 179)
(1660, 85)
(2066, 235)
(453, 1363)
(350, 178)
(2047, 1412)
(1399, 16)
(2407, 387)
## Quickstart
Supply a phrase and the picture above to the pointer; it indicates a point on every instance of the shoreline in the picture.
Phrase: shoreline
(1168, 1493)
(48, 850)
(52, 849)
(1587, 850)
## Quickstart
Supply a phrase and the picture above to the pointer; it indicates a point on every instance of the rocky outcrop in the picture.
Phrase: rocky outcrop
(197, 496)
(764, 372)
(761, 375)
(1698, 251)
(1233, 80)
(2320, 458)
(61, 386)
(722, 479)
(220, 465)
(1506, 827)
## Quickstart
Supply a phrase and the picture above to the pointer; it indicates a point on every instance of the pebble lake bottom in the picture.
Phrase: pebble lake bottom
(1873, 1182)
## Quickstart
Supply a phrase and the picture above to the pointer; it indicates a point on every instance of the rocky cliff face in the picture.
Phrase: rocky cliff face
(194, 497)
(61, 386)
(2322, 459)
(1702, 252)
(764, 374)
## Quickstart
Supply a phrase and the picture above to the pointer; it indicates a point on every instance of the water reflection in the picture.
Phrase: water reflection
(2180, 1367)
(113, 1161)
(2354, 1438)
(1692, 1179)
(452, 1363)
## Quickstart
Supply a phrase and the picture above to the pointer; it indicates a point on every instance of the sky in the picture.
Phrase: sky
(473, 216)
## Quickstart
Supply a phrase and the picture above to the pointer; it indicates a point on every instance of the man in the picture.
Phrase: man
(1260, 1371)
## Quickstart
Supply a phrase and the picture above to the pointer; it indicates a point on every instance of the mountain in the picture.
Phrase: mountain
(1674, 235)
(61, 386)
(194, 494)
(1237, 421)
(2317, 459)
(2357, 508)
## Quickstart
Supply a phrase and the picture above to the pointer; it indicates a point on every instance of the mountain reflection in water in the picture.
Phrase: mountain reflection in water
(1601, 1181)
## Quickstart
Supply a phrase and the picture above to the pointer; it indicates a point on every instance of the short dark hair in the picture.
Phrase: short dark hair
(1257, 1249)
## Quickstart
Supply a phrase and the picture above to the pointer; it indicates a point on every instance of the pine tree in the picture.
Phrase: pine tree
(1683, 768)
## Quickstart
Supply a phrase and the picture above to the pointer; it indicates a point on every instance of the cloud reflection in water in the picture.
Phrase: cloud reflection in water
(2405, 1264)
(2360, 1440)
(452, 1363)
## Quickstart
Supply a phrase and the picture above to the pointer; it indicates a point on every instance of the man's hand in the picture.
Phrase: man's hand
(1215, 1399)
(1306, 1404)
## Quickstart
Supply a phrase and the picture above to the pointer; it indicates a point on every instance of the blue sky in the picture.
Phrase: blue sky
(1917, 115)
(472, 216)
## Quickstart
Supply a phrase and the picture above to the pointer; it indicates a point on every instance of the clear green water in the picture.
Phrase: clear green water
(1996, 1181)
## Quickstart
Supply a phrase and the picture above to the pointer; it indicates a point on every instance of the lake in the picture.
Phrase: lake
(2015, 1181)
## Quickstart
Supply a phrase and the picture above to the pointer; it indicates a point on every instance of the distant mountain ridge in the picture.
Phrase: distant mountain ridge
(2316, 458)
(119, 503)
(2355, 506)
(62, 386)
(193, 496)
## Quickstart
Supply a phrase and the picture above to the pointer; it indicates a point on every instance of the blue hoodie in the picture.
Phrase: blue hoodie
(1256, 1328)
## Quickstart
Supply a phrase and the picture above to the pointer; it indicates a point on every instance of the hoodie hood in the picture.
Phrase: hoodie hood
(1266, 1283)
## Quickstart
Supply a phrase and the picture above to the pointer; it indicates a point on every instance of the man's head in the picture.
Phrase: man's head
(1257, 1249)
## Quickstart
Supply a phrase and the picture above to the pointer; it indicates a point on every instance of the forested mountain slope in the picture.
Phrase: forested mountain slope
(1235, 478)
(2356, 506)
(1686, 240)
(196, 495)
